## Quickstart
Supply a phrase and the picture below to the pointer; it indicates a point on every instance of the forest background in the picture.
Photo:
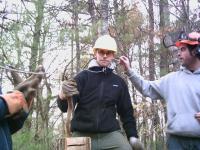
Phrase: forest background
(60, 33)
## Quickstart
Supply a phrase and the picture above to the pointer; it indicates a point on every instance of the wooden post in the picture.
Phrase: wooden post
(74, 143)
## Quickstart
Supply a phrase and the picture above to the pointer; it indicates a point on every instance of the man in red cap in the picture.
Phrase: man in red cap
(181, 91)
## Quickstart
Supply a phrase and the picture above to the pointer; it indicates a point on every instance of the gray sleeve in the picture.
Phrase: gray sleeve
(151, 89)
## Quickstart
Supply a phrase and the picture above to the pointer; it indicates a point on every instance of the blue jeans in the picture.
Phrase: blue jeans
(106, 141)
(175, 142)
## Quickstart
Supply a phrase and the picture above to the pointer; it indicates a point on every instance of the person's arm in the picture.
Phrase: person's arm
(16, 122)
(147, 88)
(3, 109)
(62, 104)
(125, 110)
(15, 102)
(68, 92)
(11, 115)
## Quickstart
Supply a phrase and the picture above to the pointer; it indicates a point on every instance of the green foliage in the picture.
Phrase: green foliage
(127, 23)
(62, 36)
(86, 39)
(24, 140)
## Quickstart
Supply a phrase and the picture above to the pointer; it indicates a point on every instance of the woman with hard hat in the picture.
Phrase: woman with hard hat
(102, 94)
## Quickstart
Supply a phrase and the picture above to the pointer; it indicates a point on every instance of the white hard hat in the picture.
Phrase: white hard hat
(105, 42)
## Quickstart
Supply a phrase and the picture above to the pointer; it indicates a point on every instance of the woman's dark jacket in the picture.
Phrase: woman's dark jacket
(102, 93)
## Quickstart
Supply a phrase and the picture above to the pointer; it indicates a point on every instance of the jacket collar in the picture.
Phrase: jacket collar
(94, 67)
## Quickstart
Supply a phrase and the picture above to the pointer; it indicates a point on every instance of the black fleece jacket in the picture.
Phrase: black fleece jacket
(102, 94)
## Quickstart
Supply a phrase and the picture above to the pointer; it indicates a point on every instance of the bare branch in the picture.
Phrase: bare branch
(21, 71)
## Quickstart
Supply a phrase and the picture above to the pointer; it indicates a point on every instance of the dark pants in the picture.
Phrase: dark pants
(106, 141)
(175, 142)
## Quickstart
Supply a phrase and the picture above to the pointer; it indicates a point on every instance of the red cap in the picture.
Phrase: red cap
(192, 39)
(189, 42)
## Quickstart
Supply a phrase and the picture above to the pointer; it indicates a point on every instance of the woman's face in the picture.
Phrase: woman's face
(104, 57)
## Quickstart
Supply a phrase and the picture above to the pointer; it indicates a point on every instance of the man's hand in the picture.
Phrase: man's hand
(125, 62)
(68, 89)
(15, 102)
(197, 116)
(136, 144)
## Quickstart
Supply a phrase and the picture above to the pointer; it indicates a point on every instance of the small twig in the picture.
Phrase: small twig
(21, 71)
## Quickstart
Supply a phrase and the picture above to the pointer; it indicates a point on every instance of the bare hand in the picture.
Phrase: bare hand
(15, 102)
(197, 116)
(125, 62)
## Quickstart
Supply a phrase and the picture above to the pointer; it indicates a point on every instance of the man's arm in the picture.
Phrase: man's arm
(146, 88)
(16, 122)
(10, 115)
(3, 109)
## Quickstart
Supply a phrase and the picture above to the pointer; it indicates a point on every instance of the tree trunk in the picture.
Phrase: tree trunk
(151, 42)
(104, 11)
(164, 53)
(155, 117)
(164, 23)
(36, 35)
(91, 10)
(76, 24)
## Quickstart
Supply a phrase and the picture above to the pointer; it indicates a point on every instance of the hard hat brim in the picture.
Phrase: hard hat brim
(180, 43)
(95, 48)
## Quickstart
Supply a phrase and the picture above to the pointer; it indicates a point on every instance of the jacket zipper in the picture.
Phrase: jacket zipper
(100, 98)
